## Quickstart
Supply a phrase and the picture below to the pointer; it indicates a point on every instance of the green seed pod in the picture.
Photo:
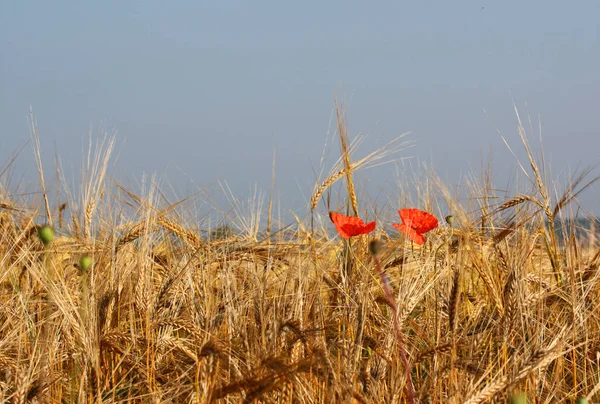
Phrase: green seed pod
(450, 220)
(581, 400)
(85, 262)
(518, 398)
(46, 234)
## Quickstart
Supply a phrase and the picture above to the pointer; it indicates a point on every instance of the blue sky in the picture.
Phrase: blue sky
(204, 91)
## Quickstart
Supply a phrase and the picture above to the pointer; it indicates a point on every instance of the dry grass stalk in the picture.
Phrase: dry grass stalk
(343, 132)
(188, 236)
(574, 189)
(94, 174)
(454, 301)
(40, 167)
(373, 159)
(538, 360)
(132, 234)
(271, 196)
(517, 201)
(9, 206)
(329, 181)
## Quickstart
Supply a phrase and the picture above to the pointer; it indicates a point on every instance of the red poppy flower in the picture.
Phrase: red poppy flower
(415, 223)
(350, 226)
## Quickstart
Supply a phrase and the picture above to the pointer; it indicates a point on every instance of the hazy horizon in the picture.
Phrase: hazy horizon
(199, 93)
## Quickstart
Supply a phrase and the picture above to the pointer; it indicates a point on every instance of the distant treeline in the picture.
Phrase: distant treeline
(583, 229)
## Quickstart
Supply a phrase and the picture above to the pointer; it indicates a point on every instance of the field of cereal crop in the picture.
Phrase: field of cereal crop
(116, 296)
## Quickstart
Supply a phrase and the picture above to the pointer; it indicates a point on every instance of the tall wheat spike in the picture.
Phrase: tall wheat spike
(380, 156)
(343, 132)
(40, 166)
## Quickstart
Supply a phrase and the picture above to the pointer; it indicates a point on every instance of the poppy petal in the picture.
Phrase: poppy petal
(369, 227)
(349, 230)
(412, 234)
(358, 230)
(350, 226)
(420, 221)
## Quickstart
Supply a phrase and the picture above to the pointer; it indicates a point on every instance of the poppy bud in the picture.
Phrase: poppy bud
(581, 400)
(374, 246)
(46, 234)
(450, 220)
(85, 262)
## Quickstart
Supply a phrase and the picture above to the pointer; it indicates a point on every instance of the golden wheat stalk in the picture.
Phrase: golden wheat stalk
(373, 159)
(95, 174)
(329, 181)
(517, 201)
(189, 237)
(343, 132)
(40, 167)
(133, 234)
(538, 360)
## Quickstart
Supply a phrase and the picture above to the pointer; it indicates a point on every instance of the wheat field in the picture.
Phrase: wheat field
(133, 302)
